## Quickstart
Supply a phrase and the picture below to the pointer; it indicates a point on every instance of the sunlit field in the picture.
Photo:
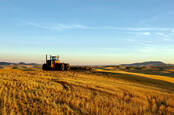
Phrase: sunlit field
(158, 77)
(33, 91)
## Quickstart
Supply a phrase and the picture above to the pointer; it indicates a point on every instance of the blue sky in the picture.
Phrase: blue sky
(87, 31)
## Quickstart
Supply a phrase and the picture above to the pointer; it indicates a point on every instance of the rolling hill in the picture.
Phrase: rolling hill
(148, 63)
(21, 63)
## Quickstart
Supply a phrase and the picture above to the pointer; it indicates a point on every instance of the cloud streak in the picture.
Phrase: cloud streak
(146, 33)
(60, 27)
(57, 27)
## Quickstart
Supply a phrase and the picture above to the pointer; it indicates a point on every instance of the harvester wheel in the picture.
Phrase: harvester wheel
(67, 67)
(62, 67)
(44, 67)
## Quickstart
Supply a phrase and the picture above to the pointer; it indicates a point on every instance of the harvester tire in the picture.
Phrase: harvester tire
(67, 67)
(62, 67)
(44, 67)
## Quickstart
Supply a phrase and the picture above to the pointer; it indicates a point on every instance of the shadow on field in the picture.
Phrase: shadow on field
(154, 73)
(64, 84)
(167, 86)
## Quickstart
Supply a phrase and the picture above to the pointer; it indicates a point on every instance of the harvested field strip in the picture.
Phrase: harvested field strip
(158, 77)
(138, 81)
(78, 93)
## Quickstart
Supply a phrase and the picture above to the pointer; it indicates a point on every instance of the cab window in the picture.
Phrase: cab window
(54, 58)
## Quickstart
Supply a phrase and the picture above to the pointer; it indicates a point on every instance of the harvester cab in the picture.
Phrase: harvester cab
(54, 64)
(55, 58)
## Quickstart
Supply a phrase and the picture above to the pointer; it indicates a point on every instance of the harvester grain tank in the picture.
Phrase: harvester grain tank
(54, 64)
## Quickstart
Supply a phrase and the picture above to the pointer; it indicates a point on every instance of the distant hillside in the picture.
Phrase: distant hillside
(149, 63)
(5, 63)
(22, 63)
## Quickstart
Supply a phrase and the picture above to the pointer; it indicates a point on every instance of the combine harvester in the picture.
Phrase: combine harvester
(55, 64)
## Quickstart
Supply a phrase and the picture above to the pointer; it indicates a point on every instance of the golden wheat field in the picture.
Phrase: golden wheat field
(158, 77)
(80, 93)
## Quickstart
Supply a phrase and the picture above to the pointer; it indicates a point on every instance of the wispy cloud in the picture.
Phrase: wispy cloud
(168, 36)
(146, 33)
(57, 27)
(60, 27)
(140, 29)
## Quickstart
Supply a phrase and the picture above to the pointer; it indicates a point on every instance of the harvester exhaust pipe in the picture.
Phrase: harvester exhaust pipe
(46, 58)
